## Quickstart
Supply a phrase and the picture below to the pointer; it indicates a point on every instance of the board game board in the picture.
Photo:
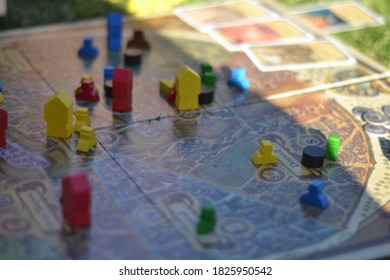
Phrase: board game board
(154, 167)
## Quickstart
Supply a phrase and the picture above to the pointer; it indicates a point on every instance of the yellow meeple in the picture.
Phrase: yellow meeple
(87, 139)
(265, 154)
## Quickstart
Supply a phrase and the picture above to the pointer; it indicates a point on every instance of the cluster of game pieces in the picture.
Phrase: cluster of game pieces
(189, 90)
(312, 157)
(58, 110)
(184, 90)
(376, 122)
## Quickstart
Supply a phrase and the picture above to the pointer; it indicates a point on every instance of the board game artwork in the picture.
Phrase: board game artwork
(176, 148)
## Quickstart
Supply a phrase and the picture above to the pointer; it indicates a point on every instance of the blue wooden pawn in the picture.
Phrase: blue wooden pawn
(88, 50)
(315, 196)
(108, 73)
(238, 79)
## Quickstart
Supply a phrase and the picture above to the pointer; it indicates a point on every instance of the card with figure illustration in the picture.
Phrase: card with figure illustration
(206, 17)
(234, 36)
(338, 17)
(313, 54)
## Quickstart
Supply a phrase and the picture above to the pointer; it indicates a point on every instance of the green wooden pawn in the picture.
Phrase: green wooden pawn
(207, 219)
(333, 147)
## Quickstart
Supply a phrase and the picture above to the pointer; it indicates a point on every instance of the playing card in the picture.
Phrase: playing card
(313, 54)
(234, 36)
(338, 17)
(206, 17)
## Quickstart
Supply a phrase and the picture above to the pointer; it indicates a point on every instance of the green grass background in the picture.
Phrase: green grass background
(374, 41)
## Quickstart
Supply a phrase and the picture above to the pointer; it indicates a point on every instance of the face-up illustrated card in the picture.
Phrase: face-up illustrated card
(206, 17)
(313, 54)
(338, 17)
(280, 31)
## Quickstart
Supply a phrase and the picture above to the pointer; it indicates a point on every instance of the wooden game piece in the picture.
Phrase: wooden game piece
(3, 127)
(114, 31)
(238, 79)
(166, 85)
(207, 75)
(82, 119)
(265, 154)
(58, 115)
(209, 79)
(333, 147)
(207, 220)
(205, 68)
(206, 95)
(313, 157)
(87, 90)
(1, 93)
(138, 41)
(171, 95)
(108, 73)
(187, 86)
(76, 200)
(87, 139)
(122, 87)
(108, 89)
(88, 50)
(133, 56)
(315, 196)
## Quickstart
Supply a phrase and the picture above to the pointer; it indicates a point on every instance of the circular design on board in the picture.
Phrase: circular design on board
(148, 214)
(189, 116)
(234, 226)
(107, 138)
(16, 225)
(271, 174)
(309, 140)
(32, 125)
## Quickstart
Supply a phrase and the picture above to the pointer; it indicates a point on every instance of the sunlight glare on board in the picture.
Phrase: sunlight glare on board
(147, 7)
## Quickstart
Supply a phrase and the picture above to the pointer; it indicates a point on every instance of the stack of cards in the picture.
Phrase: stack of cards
(275, 43)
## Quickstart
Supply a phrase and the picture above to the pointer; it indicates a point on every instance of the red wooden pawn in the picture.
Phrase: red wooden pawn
(122, 89)
(3, 127)
(76, 199)
(87, 91)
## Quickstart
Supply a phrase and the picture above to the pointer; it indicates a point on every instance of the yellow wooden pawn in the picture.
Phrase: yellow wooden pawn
(82, 118)
(87, 139)
(1, 97)
(166, 85)
(187, 85)
(265, 154)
